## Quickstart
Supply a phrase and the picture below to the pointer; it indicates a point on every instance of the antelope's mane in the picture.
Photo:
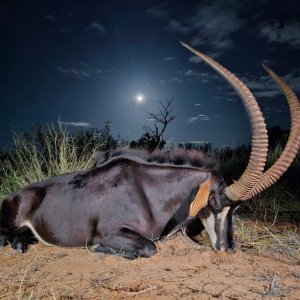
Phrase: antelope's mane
(177, 157)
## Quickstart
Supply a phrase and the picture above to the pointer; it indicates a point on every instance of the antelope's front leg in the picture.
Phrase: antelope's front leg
(4, 240)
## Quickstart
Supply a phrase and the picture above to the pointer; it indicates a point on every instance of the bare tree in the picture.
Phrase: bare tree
(160, 120)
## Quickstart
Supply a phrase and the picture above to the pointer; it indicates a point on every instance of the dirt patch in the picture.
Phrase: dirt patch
(180, 270)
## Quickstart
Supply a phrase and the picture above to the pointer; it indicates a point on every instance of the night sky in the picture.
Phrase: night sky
(86, 62)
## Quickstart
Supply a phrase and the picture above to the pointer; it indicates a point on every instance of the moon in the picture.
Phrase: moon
(139, 98)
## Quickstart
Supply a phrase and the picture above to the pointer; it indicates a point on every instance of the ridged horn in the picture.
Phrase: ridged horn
(292, 146)
(259, 152)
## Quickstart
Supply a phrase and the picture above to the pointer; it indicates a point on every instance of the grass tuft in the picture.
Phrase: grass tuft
(264, 238)
(50, 153)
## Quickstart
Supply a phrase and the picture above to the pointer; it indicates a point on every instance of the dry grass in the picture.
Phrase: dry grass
(55, 152)
(266, 238)
(25, 273)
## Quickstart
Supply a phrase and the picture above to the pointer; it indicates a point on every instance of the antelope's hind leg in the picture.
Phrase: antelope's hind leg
(128, 244)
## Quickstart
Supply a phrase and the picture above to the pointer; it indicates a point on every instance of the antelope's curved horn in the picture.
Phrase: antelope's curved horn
(259, 152)
(292, 146)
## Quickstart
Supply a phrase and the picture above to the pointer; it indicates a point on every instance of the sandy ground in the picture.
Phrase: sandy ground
(180, 270)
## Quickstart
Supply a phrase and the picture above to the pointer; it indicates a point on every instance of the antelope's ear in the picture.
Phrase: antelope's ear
(201, 198)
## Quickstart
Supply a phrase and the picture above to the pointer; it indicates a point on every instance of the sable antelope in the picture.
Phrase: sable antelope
(125, 203)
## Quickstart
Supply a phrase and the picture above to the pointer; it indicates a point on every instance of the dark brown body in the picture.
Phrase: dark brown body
(121, 205)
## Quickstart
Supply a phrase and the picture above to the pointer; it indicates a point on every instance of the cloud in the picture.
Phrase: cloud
(287, 33)
(271, 109)
(266, 62)
(192, 73)
(294, 82)
(81, 70)
(268, 94)
(169, 58)
(215, 23)
(200, 117)
(159, 11)
(98, 27)
(195, 59)
(212, 24)
(74, 73)
(262, 86)
(209, 23)
(192, 119)
(175, 79)
(178, 27)
(74, 124)
(50, 18)
(203, 117)
(265, 86)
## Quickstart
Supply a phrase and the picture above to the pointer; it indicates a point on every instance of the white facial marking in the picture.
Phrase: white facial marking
(221, 218)
(37, 236)
(209, 225)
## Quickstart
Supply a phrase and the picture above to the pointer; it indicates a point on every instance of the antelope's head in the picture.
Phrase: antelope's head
(217, 215)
